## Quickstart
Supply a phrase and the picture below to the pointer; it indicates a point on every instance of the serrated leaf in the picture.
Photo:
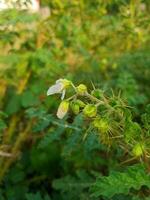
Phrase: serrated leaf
(36, 196)
(52, 136)
(121, 182)
(75, 136)
(79, 182)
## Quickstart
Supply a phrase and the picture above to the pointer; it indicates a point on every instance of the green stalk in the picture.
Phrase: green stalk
(15, 150)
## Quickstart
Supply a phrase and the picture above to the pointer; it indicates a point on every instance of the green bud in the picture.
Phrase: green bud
(62, 109)
(81, 89)
(138, 150)
(96, 122)
(80, 103)
(90, 110)
(97, 93)
(101, 124)
(75, 107)
(66, 83)
(132, 132)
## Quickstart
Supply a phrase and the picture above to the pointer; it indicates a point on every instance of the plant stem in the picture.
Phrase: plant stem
(21, 138)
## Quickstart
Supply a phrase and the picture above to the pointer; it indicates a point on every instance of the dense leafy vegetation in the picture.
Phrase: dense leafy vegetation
(93, 144)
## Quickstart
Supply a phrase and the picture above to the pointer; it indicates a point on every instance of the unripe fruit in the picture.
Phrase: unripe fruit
(96, 122)
(80, 103)
(75, 107)
(81, 89)
(90, 110)
(132, 132)
(101, 124)
(138, 150)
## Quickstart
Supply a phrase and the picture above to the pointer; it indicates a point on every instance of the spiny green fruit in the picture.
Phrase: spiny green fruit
(101, 124)
(81, 89)
(96, 122)
(138, 150)
(97, 93)
(113, 102)
(90, 110)
(132, 132)
(80, 103)
(75, 107)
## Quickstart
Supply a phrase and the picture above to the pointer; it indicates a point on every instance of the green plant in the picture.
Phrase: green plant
(102, 134)
(112, 121)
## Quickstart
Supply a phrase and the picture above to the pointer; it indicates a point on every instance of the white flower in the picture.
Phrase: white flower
(59, 88)
(62, 109)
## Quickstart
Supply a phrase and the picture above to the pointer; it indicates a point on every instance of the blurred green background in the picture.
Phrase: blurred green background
(105, 43)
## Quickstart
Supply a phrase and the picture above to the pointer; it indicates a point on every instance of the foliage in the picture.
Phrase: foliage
(98, 51)
(133, 178)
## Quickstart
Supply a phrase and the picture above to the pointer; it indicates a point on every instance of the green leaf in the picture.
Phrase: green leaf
(42, 123)
(74, 186)
(29, 99)
(12, 17)
(52, 136)
(121, 182)
(2, 125)
(35, 112)
(37, 196)
(14, 104)
(75, 137)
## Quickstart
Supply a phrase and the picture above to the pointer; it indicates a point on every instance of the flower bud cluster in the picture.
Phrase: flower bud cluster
(109, 116)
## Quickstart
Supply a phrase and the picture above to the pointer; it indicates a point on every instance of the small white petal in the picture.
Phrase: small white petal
(62, 109)
(54, 89)
(63, 94)
(59, 80)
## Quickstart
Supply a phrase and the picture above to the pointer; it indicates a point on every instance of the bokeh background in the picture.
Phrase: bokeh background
(105, 43)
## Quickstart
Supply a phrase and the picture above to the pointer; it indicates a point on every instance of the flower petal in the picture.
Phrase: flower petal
(62, 109)
(54, 89)
(59, 80)
(63, 94)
